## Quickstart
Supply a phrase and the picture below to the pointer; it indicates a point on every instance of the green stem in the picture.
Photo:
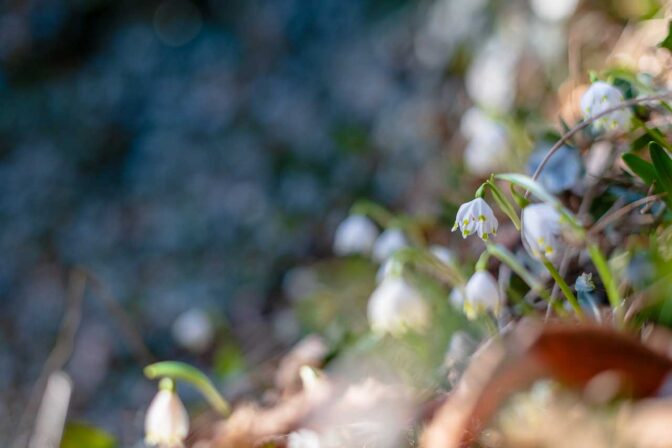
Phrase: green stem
(503, 203)
(607, 279)
(564, 287)
(506, 257)
(184, 372)
(448, 272)
(374, 211)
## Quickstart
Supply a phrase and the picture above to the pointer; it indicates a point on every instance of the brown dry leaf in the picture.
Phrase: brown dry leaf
(570, 354)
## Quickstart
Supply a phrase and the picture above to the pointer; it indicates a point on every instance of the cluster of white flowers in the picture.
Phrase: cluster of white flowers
(488, 142)
(476, 217)
(166, 421)
(599, 97)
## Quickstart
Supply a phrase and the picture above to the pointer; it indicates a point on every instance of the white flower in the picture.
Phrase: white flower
(355, 235)
(599, 97)
(444, 254)
(303, 438)
(488, 145)
(396, 306)
(167, 421)
(541, 231)
(193, 330)
(481, 294)
(390, 241)
(476, 216)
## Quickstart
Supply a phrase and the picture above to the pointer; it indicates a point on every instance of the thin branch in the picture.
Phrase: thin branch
(603, 222)
(569, 134)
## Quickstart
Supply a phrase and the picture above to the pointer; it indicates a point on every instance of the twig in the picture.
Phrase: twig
(569, 134)
(603, 222)
(58, 356)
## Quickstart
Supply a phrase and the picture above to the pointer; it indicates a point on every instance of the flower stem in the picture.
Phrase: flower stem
(447, 272)
(564, 287)
(506, 257)
(607, 280)
(374, 211)
(503, 202)
(184, 372)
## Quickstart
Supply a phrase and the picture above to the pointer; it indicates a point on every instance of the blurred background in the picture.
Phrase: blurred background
(192, 160)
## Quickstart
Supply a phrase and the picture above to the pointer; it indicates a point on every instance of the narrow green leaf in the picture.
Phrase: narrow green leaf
(504, 204)
(663, 165)
(640, 167)
(78, 435)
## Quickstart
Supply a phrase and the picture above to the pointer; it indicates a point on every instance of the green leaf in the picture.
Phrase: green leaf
(640, 167)
(663, 165)
(641, 142)
(79, 435)
(667, 42)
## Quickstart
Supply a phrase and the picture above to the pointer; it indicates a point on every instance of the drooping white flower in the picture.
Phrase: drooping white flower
(390, 241)
(355, 235)
(476, 217)
(303, 438)
(481, 294)
(599, 97)
(541, 231)
(488, 142)
(396, 306)
(166, 421)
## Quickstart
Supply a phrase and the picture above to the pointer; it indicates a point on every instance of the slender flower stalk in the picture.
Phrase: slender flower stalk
(184, 372)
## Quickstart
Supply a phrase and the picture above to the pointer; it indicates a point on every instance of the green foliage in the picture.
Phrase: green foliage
(667, 42)
(641, 168)
(81, 435)
(663, 165)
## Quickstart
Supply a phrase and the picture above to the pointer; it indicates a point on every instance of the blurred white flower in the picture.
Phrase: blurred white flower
(355, 235)
(491, 78)
(303, 438)
(167, 421)
(444, 254)
(193, 330)
(554, 10)
(599, 97)
(390, 241)
(389, 267)
(488, 145)
(541, 231)
(482, 294)
(457, 297)
(396, 306)
(476, 216)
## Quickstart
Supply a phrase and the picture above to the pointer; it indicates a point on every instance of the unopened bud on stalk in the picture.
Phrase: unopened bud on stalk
(167, 421)
(541, 231)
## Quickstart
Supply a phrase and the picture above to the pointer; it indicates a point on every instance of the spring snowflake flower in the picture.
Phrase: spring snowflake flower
(167, 421)
(600, 97)
(476, 217)
(355, 235)
(390, 241)
(481, 294)
(396, 306)
(541, 231)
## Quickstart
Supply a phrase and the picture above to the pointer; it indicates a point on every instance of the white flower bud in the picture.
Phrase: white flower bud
(390, 241)
(482, 294)
(541, 231)
(355, 235)
(167, 421)
(396, 306)
(476, 217)
(599, 97)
